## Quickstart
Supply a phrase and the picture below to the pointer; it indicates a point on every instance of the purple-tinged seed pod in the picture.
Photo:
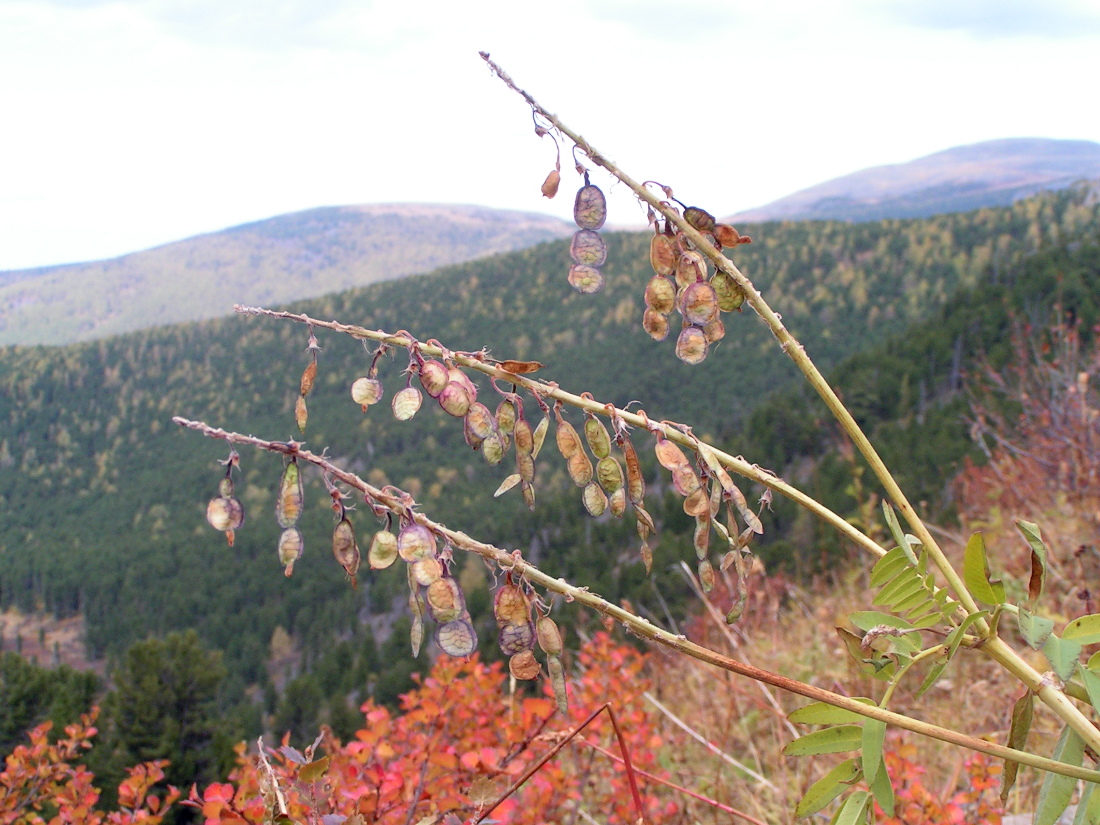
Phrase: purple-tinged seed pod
(585, 279)
(415, 542)
(691, 345)
(588, 248)
(590, 207)
(433, 377)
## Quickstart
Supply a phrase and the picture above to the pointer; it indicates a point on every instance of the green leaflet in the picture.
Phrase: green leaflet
(1092, 686)
(830, 740)
(1038, 578)
(897, 532)
(956, 637)
(976, 573)
(822, 713)
(1085, 630)
(1035, 629)
(1017, 738)
(874, 735)
(854, 809)
(1088, 807)
(1056, 791)
(882, 789)
(1062, 655)
(1094, 661)
(888, 566)
(828, 788)
(932, 676)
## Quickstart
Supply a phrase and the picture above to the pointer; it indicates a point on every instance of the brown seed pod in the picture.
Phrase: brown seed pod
(655, 324)
(480, 421)
(345, 549)
(727, 235)
(645, 522)
(445, 599)
(406, 403)
(580, 468)
(524, 665)
(426, 571)
(383, 550)
(511, 606)
(225, 514)
(588, 248)
(550, 185)
(493, 447)
(663, 254)
(523, 436)
(660, 295)
(595, 433)
(697, 503)
(506, 416)
(308, 377)
(701, 535)
(685, 480)
(455, 399)
(670, 456)
(729, 293)
(700, 218)
(569, 443)
(456, 638)
(301, 414)
(616, 502)
(539, 436)
(416, 609)
(690, 268)
(525, 466)
(585, 279)
(691, 345)
(433, 377)
(557, 681)
(288, 504)
(714, 331)
(416, 542)
(635, 482)
(290, 548)
(590, 207)
(595, 502)
(548, 635)
(698, 303)
(528, 491)
(610, 474)
(706, 576)
(366, 391)
(515, 638)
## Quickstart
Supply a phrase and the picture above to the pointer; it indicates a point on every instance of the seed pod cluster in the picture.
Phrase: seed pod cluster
(588, 249)
(512, 611)
(432, 589)
(305, 385)
(225, 511)
(288, 509)
(681, 282)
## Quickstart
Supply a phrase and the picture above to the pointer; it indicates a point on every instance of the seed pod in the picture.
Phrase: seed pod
(729, 294)
(344, 548)
(524, 437)
(539, 436)
(455, 374)
(444, 599)
(525, 466)
(645, 522)
(690, 268)
(479, 422)
(557, 681)
(515, 638)
(714, 331)
(550, 185)
(528, 491)
(610, 474)
(523, 665)
(663, 254)
(701, 536)
(691, 345)
(366, 391)
(595, 434)
(569, 443)
(660, 295)
(301, 414)
(706, 576)
(308, 377)
(698, 303)
(590, 207)
(290, 548)
(456, 638)
(493, 448)
(416, 542)
(726, 234)
(510, 605)
(426, 571)
(588, 248)
(697, 502)
(416, 608)
(687, 482)
(700, 218)
(433, 377)
(548, 635)
(580, 468)
(506, 485)
(225, 514)
(655, 325)
(288, 504)
(406, 403)
(669, 455)
(595, 502)
(616, 503)
(455, 400)
(225, 487)
(635, 482)
(506, 416)
(383, 550)
(647, 557)
(585, 279)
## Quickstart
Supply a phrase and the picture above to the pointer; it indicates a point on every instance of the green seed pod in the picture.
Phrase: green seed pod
(366, 391)
(510, 605)
(456, 638)
(548, 635)
(506, 416)
(383, 550)
(729, 294)
(455, 399)
(225, 487)
(308, 377)
(595, 502)
(690, 268)
(515, 638)
(290, 548)
(663, 254)
(524, 437)
(590, 207)
(588, 248)
(660, 295)
(595, 434)
(416, 542)
(445, 600)
(539, 436)
(610, 474)
(301, 414)
(433, 377)
(493, 448)
(691, 345)
(289, 502)
(698, 303)
(524, 666)
(406, 403)
(557, 680)
(706, 576)
(585, 279)
(655, 325)
(616, 503)
(426, 571)
(700, 218)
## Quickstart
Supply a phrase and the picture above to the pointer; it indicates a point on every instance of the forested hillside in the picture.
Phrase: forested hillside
(102, 499)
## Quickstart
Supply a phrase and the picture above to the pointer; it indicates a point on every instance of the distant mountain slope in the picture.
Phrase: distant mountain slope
(285, 258)
(993, 173)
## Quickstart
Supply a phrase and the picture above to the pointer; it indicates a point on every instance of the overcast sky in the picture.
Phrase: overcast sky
(129, 123)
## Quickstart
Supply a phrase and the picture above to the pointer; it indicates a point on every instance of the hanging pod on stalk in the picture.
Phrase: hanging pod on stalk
(289, 502)
(345, 549)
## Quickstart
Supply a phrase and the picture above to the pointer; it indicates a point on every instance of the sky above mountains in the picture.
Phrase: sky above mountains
(129, 123)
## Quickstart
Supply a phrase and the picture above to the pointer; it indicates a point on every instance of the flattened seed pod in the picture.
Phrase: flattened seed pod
(616, 502)
(660, 295)
(610, 474)
(225, 514)
(690, 268)
(701, 536)
(523, 665)
(588, 248)
(669, 455)
(288, 504)
(416, 542)
(493, 448)
(595, 501)
(426, 571)
(510, 605)
(309, 375)
(345, 549)
(525, 466)
(580, 468)
(700, 218)
(506, 416)
(595, 433)
(655, 324)
(433, 377)
(539, 436)
(416, 608)
(444, 599)
(479, 420)
(730, 295)
(585, 279)
(548, 635)
(406, 403)
(706, 576)
(456, 638)
(524, 437)
(290, 548)
(647, 557)
(383, 550)
(225, 487)
(691, 345)
(635, 482)
(569, 443)
(301, 414)
(686, 481)
(557, 681)
(714, 331)
(455, 374)
(699, 303)
(590, 207)
(726, 234)
(663, 254)
(455, 399)
(550, 185)
(528, 491)
(515, 638)
(698, 502)
(366, 391)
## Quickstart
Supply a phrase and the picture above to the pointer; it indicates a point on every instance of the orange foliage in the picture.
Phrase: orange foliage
(973, 796)
(41, 785)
